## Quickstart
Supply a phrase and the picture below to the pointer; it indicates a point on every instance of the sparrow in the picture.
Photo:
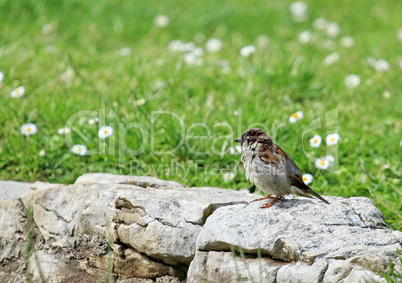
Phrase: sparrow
(270, 169)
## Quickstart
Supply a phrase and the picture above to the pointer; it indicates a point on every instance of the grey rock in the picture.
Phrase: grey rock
(225, 267)
(307, 234)
(12, 227)
(12, 189)
(142, 229)
(141, 181)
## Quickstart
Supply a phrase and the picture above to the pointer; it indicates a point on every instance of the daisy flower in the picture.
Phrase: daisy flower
(105, 132)
(307, 178)
(18, 92)
(332, 58)
(246, 51)
(315, 141)
(1, 77)
(352, 81)
(42, 152)
(213, 45)
(235, 149)
(64, 131)
(161, 21)
(125, 51)
(332, 29)
(298, 10)
(322, 163)
(365, 178)
(227, 177)
(305, 37)
(79, 149)
(399, 34)
(68, 75)
(93, 121)
(330, 158)
(319, 23)
(296, 117)
(139, 102)
(332, 139)
(381, 65)
(28, 129)
(347, 42)
(386, 94)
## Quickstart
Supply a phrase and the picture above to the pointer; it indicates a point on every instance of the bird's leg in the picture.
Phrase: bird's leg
(268, 196)
(271, 203)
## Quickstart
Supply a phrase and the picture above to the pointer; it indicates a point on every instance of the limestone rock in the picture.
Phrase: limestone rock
(307, 234)
(142, 229)
(12, 189)
(141, 181)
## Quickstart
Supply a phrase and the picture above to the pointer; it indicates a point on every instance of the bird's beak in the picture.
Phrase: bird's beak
(239, 140)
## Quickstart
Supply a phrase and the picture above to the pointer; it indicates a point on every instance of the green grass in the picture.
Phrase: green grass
(266, 88)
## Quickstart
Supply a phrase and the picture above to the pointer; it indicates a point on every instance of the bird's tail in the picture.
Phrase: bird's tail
(307, 190)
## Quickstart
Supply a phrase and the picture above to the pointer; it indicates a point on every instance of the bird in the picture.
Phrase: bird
(270, 169)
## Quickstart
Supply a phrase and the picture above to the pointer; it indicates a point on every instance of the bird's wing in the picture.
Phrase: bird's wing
(289, 164)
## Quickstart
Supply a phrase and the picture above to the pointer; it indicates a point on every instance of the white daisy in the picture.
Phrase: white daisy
(332, 58)
(386, 94)
(332, 29)
(1, 77)
(332, 139)
(79, 149)
(315, 141)
(330, 158)
(365, 178)
(298, 10)
(213, 45)
(227, 177)
(319, 23)
(296, 117)
(347, 42)
(381, 65)
(328, 44)
(93, 121)
(235, 149)
(68, 75)
(161, 21)
(175, 45)
(18, 92)
(126, 51)
(198, 51)
(64, 131)
(105, 132)
(305, 37)
(352, 81)
(139, 102)
(321, 163)
(28, 129)
(42, 152)
(399, 34)
(307, 178)
(246, 51)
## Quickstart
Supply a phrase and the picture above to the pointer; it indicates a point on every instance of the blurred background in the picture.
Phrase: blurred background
(163, 88)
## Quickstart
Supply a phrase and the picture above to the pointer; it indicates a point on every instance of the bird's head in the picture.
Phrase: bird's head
(253, 136)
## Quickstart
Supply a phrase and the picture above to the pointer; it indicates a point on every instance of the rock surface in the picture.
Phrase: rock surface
(143, 229)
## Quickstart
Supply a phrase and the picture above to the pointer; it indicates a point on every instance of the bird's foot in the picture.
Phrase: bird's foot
(268, 196)
(271, 203)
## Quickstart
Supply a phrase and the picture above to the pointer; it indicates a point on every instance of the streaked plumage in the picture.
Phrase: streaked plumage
(270, 169)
